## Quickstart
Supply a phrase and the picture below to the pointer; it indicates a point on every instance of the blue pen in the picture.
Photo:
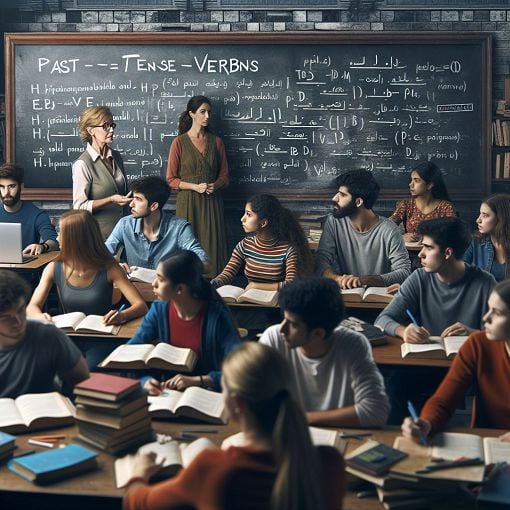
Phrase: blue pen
(414, 416)
(413, 319)
(121, 307)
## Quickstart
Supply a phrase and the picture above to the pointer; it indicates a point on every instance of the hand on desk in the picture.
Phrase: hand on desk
(127, 267)
(416, 430)
(179, 382)
(415, 335)
(146, 466)
(457, 329)
(42, 317)
(348, 281)
(113, 318)
(393, 288)
(33, 249)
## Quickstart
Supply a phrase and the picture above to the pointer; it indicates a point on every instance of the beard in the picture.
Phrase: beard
(346, 210)
(11, 201)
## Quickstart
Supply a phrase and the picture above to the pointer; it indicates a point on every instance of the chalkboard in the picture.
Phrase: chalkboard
(294, 110)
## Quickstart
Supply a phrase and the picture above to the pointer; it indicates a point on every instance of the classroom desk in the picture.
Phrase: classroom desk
(145, 290)
(38, 263)
(390, 354)
(127, 330)
(101, 483)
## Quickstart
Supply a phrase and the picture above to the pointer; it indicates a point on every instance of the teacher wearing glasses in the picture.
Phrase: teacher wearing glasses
(99, 181)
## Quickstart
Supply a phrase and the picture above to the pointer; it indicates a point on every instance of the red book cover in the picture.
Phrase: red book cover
(110, 387)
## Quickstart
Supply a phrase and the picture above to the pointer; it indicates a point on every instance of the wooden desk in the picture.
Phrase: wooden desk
(145, 290)
(38, 263)
(390, 354)
(127, 330)
(101, 483)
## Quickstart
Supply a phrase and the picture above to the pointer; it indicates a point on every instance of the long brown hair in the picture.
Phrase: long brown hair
(81, 241)
(261, 377)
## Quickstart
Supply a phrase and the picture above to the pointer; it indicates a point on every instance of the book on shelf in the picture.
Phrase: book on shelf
(172, 454)
(232, 294)
(374, 458)
(106, 387)
(436, 348)
(141, 356)
(53, 465)
(84, 414)
(142, 274)
(35, 411)
(366, 295)
(81, 323)
(451, 446)
(372, 333)
(193, 402)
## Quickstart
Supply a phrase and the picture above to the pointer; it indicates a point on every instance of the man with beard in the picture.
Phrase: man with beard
(150, 233)
(38, 234)
(357, 246)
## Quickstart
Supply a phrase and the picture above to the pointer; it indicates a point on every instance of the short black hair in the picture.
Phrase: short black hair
(316, 301)
(12, 287)
(361, 184)
(14, 172)
(154, 189)
(447, 233)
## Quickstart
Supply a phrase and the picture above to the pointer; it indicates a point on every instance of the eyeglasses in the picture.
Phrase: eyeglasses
(107, 125)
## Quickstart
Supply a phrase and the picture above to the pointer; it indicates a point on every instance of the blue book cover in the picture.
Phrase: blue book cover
(54, 464)
(6, 440)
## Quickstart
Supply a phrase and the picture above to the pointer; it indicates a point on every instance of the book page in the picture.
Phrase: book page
(207, 402)
(169, 452)
(323, 436)
(95, 323)
(167, 352)
(9, 414)
(496, 450)
(407, 348)
(168, 400)
(68, 320)
(354, 294)
(377, 292)
(191, 450)
(452, 344)
(129, 353)
(452, 445)
(44, 405)
(230, 291)
(259, 296)
(238, 439)
(142, 274)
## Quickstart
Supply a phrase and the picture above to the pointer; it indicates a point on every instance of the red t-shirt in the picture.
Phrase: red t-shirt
(186, 334)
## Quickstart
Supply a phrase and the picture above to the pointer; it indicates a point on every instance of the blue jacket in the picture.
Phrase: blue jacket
(481, 254)
(219, 336)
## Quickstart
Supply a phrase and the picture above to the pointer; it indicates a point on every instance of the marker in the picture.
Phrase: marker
(40, 443)
(449, 465)
(413, 319)
(414, 416)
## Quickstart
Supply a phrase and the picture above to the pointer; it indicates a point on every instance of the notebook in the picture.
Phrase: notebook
(12, 248)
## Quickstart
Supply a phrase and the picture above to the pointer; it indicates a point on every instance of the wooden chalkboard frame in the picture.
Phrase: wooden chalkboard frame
(482, 39)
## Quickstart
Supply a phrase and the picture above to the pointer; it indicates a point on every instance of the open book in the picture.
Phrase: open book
(193, 402)
(437, 348)
(162, 356)
(366, 295)
(450, 446)
(142, 274)
(232, 294)
(78, 321)
(174, 456)
(35, 411)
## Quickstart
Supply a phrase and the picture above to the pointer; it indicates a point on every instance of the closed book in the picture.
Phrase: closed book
(106, 387)
(109, 433)
(496, 490)
(121, 445)
(7, 442)
(120, 408)
(53, 465)
(375, 460)
(110, 420)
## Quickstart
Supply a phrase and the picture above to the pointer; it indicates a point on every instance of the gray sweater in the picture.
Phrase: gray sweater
(437, 305)
(379, 251)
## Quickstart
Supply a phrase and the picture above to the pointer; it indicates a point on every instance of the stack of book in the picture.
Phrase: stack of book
(112, 413)
(7, 445)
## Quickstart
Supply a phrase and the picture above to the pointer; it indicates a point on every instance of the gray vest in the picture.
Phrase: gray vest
(103, 185)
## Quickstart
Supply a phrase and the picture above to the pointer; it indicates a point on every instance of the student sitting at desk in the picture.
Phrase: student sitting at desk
(32, 353)
(37, 232)
(192, 315)
(335, 377)
(150, 233)
(429, 200)
(445, 297)
(483, 361)
(357, 247)
(277, 468)
(276, 253)
(490, 246)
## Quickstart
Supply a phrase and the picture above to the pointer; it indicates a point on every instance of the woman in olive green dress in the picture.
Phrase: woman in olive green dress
(197, 167)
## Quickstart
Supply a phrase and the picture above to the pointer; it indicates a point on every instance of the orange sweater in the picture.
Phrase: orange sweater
(200, 484)
(485, 364)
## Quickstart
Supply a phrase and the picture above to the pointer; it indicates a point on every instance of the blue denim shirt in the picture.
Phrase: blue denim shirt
(174, 234)
(481, 254)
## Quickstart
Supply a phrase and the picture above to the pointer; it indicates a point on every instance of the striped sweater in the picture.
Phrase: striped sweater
(264, 262)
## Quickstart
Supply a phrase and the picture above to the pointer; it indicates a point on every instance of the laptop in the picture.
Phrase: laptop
(11, 247)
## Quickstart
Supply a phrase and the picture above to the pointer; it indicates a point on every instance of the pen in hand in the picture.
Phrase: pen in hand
(414, 416)
(121, 307)
(412, 317)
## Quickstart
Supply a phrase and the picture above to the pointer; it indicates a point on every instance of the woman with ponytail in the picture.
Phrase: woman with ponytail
(275, 253)
(191, 315)
(197, 167)
(276, 449)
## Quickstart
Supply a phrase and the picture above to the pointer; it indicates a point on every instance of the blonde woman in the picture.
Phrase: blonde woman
(277, 468)
(99, 181)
